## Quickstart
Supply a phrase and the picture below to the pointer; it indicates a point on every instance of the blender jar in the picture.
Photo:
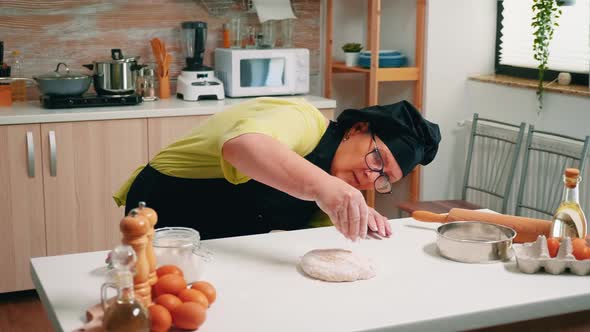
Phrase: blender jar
(188, 41)
(181, 246)
(194, 38)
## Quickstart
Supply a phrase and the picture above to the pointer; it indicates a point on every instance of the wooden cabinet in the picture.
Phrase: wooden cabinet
(84, 163)
(21, 204)
(164, 131)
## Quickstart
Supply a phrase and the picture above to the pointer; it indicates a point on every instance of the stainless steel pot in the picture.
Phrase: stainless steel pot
(115, 76)
(59, 83)
(475, 242)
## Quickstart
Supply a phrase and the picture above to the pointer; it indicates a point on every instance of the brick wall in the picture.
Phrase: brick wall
(78, 32)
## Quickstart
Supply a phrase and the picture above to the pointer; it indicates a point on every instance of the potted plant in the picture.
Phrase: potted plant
(546, 13)
(351, 53)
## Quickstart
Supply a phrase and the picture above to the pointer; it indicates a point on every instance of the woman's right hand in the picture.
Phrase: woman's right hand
(346, 207)
(378, 223)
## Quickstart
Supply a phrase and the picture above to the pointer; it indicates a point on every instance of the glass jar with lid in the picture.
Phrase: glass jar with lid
(149, 84)
(236, 29)
(181, 246)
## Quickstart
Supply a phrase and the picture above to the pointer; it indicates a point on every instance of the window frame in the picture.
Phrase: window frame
(550, 75)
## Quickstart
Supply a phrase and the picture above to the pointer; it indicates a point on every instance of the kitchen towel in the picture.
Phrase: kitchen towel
(273, 10)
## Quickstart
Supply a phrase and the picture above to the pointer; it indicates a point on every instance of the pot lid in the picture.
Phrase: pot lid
(63, 74)
(117, 57)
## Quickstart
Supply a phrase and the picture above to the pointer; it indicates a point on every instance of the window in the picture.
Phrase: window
(569, 50)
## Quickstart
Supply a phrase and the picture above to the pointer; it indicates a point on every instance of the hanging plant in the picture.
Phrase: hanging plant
(546, 13)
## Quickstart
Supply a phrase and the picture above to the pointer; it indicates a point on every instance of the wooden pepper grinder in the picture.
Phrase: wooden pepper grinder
(152, 217)
(135, 229)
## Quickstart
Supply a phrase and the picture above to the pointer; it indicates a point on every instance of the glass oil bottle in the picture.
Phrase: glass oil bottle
(19, 86)
(125, 313)
(569, 219)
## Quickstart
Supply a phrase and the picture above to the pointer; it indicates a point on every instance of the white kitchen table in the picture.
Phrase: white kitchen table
(261, 289)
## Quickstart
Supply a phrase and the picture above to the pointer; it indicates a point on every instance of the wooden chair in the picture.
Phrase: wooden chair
(546, 157)
(491, 162)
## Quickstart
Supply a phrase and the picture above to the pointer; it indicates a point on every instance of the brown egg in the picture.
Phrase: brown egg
(169, 269)
(579, 248)
(189, 316)
(170, 284)
(207, 289)
(160, 318)
(193, 295)
(168, 301)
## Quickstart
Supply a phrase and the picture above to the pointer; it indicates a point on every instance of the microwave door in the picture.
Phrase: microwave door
(254, 73)
(264, 76)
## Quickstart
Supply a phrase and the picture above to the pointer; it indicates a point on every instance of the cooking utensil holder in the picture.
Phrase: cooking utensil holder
(164, 87)
(5, 95)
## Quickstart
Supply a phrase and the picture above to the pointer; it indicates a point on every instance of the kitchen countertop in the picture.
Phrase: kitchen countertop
(260, 288)
(32, 112)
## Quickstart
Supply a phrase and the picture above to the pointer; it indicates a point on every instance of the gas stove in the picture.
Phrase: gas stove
(89, 100)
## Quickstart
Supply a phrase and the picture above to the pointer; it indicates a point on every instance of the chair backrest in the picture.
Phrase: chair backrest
(491, 162)
(546, 157)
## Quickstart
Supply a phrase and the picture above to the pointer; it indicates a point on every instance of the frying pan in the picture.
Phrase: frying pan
(59, 83)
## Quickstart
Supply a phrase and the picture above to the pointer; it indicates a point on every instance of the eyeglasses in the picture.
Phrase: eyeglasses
(375, 163)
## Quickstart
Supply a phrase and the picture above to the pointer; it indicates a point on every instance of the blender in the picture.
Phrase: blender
(196, 81)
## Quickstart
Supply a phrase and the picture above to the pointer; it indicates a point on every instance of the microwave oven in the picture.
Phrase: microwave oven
(263, 72)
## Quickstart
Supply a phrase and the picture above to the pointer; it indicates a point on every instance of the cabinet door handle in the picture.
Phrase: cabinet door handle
(30, 154)
(52, 154)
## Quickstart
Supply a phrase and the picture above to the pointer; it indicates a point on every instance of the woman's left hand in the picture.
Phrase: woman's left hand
(378, 223)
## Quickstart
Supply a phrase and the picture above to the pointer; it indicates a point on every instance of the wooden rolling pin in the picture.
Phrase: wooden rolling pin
(527, 229)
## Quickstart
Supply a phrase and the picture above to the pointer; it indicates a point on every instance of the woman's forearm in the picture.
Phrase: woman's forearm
(268, 161)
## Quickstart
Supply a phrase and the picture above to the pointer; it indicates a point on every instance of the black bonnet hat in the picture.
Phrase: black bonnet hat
(412, 139)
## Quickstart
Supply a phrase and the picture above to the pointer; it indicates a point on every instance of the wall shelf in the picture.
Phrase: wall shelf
(340, 67)
(383, 74)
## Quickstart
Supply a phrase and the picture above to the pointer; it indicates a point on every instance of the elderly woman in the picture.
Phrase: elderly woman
(272, 163)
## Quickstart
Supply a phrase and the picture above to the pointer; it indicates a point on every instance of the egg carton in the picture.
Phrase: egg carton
(531, 257)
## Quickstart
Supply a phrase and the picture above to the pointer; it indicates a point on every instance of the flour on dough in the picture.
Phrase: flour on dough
(336, 265)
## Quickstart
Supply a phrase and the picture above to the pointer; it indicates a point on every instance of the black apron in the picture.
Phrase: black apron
(217, 208)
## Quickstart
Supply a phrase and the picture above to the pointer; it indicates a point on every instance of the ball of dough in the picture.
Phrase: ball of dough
(336, 265)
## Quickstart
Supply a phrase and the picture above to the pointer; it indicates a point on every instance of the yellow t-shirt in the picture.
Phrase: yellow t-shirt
(294, 122)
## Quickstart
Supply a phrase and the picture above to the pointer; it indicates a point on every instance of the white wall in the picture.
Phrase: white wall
(460, 37)
(460, 42)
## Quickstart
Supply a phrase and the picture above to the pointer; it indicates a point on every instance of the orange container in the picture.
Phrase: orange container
(164, 87)
(5, 95)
